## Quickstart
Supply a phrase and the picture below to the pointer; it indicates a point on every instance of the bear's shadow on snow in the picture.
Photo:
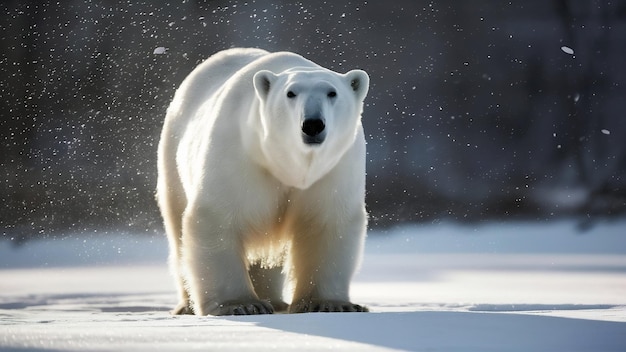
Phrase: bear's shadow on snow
(461, 330)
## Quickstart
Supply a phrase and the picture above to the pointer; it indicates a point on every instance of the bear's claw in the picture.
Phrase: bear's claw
(241, 308)
(280, 306)
(183, 308)
(315, 305)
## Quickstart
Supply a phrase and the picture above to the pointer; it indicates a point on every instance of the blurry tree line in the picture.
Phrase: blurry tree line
(476, 109)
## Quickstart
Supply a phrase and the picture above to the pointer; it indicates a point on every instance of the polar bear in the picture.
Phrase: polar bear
(261, 175)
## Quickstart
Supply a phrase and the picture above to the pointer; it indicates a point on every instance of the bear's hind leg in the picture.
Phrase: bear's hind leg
(171, 204)
(268, 285)
(176, 267)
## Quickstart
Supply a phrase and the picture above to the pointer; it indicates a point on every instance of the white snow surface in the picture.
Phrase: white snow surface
(440, 287)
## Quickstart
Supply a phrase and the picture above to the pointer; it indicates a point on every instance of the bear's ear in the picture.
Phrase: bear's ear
(359, 82)
(263, 80)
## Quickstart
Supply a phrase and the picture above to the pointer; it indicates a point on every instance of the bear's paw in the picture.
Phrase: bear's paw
(323, 305)
(183, 308)
(280, 306)
(252, 307)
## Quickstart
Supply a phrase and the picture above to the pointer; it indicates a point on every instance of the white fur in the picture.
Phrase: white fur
(241, 193)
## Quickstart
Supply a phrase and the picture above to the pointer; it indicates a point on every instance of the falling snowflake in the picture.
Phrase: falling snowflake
(160, 50)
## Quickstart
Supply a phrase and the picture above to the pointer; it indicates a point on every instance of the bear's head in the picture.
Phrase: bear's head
(309, 113)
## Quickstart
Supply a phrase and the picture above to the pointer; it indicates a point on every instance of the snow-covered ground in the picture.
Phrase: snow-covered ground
(440, 287)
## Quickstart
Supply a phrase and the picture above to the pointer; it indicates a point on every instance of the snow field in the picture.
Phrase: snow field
(441, 287)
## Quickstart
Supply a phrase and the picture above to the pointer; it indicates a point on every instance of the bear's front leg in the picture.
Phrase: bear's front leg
(216, 273)
(324, 259)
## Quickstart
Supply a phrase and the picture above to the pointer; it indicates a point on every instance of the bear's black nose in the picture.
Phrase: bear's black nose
(313, 126)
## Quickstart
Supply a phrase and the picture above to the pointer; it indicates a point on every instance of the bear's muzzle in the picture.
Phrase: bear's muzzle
(313, 130)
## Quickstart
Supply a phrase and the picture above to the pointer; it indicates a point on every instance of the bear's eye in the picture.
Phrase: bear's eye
(291, 94)
(332, 94)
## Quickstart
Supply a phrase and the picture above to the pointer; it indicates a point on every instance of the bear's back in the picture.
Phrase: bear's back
(237, 65)
(216, 70)
(209, 77)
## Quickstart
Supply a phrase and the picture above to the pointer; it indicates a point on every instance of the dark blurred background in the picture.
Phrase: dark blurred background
(477, 110)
